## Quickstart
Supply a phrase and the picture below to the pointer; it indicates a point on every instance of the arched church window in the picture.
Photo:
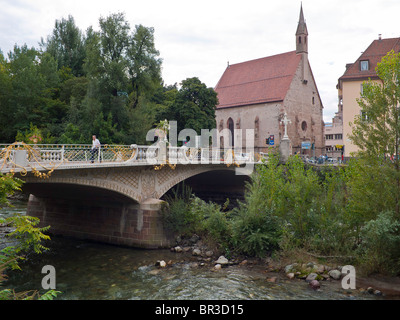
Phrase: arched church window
(304, 125)
(231, 127)
(299, 39)
(256, 127)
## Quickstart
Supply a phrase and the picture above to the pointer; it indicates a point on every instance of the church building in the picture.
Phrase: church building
(257, 94)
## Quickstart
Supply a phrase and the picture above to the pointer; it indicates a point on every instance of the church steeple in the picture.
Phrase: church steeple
(301, 34)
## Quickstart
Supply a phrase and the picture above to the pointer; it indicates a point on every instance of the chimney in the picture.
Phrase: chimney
(380, 36)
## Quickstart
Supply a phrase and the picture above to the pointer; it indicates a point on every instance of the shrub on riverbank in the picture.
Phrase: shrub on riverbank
(320, 211)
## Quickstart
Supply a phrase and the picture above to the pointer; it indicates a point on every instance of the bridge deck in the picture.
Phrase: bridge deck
(19, 157)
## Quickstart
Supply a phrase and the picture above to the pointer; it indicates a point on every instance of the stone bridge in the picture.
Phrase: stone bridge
(116, 199)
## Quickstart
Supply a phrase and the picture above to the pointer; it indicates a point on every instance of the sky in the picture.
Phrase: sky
(199, 38)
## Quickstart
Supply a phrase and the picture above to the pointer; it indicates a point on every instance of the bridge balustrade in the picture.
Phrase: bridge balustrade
(21, 156)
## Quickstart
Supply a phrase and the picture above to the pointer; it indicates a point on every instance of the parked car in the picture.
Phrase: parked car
(242, 157)
(331, 161)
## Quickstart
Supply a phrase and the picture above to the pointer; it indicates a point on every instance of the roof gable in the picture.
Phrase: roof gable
(374, 54)
(257, 81)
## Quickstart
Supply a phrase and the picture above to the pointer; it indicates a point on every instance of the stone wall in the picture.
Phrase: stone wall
(263, 118)
(136, 225)
(304, 108)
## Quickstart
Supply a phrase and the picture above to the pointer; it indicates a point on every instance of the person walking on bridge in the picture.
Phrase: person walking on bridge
(95, 148)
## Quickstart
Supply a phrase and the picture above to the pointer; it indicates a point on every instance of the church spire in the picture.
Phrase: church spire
(301, 34)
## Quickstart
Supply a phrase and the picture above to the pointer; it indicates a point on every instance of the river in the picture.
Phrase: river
(94, 271)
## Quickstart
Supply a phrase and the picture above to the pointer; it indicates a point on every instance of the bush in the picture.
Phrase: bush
(379, 250)
(177, 216)
(216, 223)
(255, 233)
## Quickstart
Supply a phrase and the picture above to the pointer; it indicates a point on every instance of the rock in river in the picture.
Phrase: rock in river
(196, 252)
(311, 277)
(314, 284)
(178, 249)
(290, 275)
(335, 274)
(222, 260)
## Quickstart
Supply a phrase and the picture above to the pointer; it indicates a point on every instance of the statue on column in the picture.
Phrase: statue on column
(285, 147)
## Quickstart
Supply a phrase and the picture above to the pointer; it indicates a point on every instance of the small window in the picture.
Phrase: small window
(364, 65)
(304, 126)
(313, 100)
(364, 115)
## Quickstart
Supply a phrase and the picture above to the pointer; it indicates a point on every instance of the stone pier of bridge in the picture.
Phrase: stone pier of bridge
(120, 223)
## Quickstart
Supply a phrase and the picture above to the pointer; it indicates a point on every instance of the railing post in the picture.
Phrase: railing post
(21, 158)
(62, 153)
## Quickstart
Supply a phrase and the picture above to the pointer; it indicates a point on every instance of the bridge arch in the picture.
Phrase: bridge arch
(126, 203)
(135, 183)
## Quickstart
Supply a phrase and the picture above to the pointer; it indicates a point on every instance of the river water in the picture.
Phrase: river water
(94, 271)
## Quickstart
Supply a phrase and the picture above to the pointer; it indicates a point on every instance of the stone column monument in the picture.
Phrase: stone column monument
(285, 147)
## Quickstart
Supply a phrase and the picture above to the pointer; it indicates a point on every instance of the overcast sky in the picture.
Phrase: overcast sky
(198, 38)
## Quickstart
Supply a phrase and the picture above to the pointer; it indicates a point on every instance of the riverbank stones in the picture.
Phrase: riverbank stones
(178, 249)
(335, 274)
(290, 275)
(196, 252)
(222, 260)
(161, 264)
(311, 277)
(314, 284)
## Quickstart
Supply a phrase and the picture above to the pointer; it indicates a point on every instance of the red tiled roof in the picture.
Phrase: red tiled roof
(374, 54)
(257, 81)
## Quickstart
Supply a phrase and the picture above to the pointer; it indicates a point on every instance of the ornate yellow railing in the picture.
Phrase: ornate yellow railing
(43, 159)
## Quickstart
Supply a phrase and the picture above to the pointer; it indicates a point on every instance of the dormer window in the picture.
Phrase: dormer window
(364, 65)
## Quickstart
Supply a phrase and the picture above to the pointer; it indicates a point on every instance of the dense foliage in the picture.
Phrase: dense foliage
(26, 236)
(290, 207)
(106, 82)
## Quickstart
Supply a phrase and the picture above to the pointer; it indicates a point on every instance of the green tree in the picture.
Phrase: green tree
(66, 45)
(6, 132)
(124, 73)
(144, 64)
(27, 89)
(194, 106)
(376, 133)
(29, 237)
(32, 93)
(76, 81)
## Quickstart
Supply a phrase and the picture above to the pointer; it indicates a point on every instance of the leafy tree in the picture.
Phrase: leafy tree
(376, 133)
(32, 84)
(124, 72)
(107, 81)
(114, 40)
(143, 63)
(29, 237)
(27, 88)
(194, 106)
(6, 132)
(66, 45)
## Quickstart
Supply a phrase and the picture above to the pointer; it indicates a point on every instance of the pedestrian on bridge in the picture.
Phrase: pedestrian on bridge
(95, 148)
